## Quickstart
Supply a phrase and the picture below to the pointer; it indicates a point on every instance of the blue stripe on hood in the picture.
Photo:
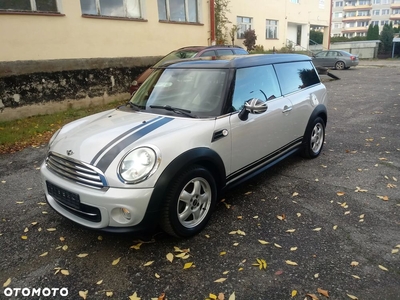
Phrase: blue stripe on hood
(107, 159)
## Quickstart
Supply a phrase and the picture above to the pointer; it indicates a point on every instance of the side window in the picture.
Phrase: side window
(321, 54)
(240, 51)
(296, 76)
(255, 82)
(208, 53)
(223, 52)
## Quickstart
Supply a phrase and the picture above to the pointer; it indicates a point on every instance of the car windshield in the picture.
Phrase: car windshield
(197, 91)
(176, 55)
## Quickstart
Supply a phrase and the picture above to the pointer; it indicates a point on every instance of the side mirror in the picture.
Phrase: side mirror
(252, 106)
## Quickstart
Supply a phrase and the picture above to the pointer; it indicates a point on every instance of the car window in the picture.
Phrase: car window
(331, 54)
(174, 55)
(295, 76)
(320, 54)
(208, 53)
(240, 51)
(255, 82)
(223, 52)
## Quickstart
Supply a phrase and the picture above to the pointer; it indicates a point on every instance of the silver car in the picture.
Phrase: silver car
(337, 59)
(193, 129)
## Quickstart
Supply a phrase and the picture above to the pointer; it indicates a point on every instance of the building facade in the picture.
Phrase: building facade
(280, 23)
(352, 18)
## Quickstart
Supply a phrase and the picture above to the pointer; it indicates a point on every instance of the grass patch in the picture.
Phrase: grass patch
(37, 130)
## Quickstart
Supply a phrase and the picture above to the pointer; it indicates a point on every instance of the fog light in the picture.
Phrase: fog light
(126, 213)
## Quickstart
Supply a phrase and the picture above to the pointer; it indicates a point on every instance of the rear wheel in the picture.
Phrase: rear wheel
(340, 65)
(314, 139)
(189, 202)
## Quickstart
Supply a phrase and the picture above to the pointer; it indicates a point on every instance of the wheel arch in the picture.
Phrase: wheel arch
(202, 156)
(319, 111)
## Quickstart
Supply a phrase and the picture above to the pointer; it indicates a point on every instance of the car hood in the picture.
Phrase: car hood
(99, 139)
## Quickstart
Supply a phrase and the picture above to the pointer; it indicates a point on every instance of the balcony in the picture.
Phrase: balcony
(356, 18)
(394, 17)
(354, 29)
(395, 4)
(357, 7)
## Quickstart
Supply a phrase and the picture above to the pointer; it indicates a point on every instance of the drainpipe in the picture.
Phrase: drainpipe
(330, 26)
(212, 22)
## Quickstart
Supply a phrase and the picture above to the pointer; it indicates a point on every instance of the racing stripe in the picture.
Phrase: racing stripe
(107, 159)
(120, 137)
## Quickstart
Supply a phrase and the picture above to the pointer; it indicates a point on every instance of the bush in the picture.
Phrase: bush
(250, 38)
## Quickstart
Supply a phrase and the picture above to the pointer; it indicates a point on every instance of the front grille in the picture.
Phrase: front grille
(76, 171)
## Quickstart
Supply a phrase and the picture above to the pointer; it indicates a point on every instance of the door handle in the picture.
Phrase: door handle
(287, 109)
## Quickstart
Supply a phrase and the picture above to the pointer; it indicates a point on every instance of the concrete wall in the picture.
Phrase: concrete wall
(364, 49)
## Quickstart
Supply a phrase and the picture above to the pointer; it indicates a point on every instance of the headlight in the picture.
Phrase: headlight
(138, 165)
(54, 137)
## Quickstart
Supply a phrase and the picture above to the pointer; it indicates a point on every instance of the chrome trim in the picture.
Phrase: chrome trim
(74, 209)
(76, 171)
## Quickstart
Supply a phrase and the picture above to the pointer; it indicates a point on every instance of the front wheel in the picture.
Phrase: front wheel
(189, 202)
(314, 139)
(340, 65)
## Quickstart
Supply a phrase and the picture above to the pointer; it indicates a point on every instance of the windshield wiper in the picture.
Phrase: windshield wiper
(175, 110)
(134, 106)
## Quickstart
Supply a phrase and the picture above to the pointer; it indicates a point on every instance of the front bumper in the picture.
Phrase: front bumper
(99, 209)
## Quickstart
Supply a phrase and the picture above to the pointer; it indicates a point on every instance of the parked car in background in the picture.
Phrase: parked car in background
(188, 52)
(337, 59)
(193, 129)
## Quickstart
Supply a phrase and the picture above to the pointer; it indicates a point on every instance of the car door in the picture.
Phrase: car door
(255, 140)
(319, 59)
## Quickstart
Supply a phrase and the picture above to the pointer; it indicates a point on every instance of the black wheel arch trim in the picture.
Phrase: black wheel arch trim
(319, 111)
(202, 156)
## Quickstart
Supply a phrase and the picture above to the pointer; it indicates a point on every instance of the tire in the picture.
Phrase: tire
(340, 65)
(189, 202)
(314, 139)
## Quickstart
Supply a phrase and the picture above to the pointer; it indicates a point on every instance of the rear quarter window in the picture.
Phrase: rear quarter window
(295, 76)
(240, 51)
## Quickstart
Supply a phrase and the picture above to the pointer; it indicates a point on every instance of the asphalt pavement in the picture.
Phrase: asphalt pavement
(328, 226)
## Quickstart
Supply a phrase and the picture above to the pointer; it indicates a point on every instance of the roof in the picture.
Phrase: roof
(229, 62)
(198, 48)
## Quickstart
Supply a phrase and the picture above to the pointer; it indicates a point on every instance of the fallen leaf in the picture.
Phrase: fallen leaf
(26, 229)
(51, 229)
(212, 296)
(221, 296)
(187, 265)
(136, 247)
(383, 268)
(384, 198)
(225, 272)
(134, 297)
(235, 244)
(291, 263)
(262, 242)
(161, 297)
(100, 238)
(156, 275)
(395, 251)
(181, 255)
(317, 229)
(277, 246)
(294, 293)
(232, 296)
(293, 249)
(281, 217)
(334, 227)
(279, 272)
(298, 215)
(340, 193)
(65, 247)
(295, 194)
(109, 293)
(352, 297)
(356, 277)
(207, 236)
(170, 257)
(64, 272)
(316, 275)
(323, 292)
(362, 216)
(7, 283)
(81, 255)
(220, 280)
(24, 237)
(99, 282)
(255, 217)
(34, 223)
(354, 263)
(222, 253)
(290, 230)
(116, 261)
(313, 296)
(62, 239)
(347, 212)
(44, 254)
(149, 263)
(83, 294)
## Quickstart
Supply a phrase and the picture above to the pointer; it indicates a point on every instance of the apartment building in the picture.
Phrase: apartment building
(279, 23)
(351, 18)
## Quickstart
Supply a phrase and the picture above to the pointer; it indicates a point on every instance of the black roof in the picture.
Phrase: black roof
(234, 61)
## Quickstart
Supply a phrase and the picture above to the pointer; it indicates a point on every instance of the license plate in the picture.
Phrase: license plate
(65, 197)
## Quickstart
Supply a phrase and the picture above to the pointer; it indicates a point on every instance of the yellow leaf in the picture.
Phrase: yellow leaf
(277, 246)
(222, 253)
(7, 283)
(83, 294)
(395, 251)
(241, 232)
(65, 247)
(294, 293)
(232, 296)
(225, 272)
(24, 237)
(334, 227)
(293, 249)
(235, 244)
(44, 254)
(82, 255)
(170, 257)
(340, 193)
(354, 263)
(291, 263)
(62, 239)
(233, 232)
(384, 198)
(323, 292)
(397, 246)
(220, 280)
(134, 297)
(100, 238)
(116, 261)
(64, 272)
(187, 265)
(207, 236)
(356, 277)
(181, 255)
(317, 229)
(51, 229)
(26, 229)
(156, 275)
(240, 269)
(262, 242)
(291, 230)
(186, 256)
(264, 263)
(383, 268)
(298, 215)
(295, 194)
(149, 263)
(352, 297)
(99, 282)
(34, 223)
(212, 296)
(240, 217)
(137, 246)
(255, 217)
(109, 293)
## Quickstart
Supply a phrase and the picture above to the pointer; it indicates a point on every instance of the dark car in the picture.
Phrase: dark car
(337, 59)
(188, 52)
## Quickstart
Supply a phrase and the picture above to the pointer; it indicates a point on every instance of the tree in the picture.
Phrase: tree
(250, 38)
(387, 37)
(233, 32)
(316, 36)
(370, 32)
(221, 21)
